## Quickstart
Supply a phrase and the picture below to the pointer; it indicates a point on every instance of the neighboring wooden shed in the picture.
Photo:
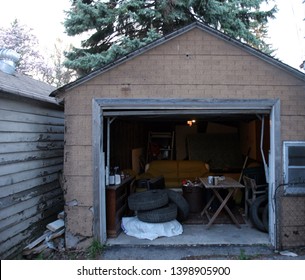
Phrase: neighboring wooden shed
(198, 73)
(31, 158)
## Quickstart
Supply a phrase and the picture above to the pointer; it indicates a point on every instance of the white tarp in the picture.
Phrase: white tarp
(134, 227)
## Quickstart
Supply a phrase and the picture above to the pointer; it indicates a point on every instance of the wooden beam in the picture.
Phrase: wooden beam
(56, 225)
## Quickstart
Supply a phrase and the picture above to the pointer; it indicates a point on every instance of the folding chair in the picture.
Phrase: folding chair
(252, 191)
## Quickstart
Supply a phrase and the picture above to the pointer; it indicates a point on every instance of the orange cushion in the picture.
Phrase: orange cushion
(190, 169)
(174, 171)
(165, 168)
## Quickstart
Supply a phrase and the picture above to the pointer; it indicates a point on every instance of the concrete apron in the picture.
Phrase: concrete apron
(218, 234)
(220, 241)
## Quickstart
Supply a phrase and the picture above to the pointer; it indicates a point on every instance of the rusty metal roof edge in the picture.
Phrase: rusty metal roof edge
(267, 58)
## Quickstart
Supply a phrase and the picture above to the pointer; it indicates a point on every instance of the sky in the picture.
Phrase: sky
(45, 17)
(286, 32)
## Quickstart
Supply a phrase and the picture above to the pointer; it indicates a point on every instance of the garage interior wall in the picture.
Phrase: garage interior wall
(135, 135)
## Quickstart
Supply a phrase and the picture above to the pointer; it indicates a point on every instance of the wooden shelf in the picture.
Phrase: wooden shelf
(117, 206)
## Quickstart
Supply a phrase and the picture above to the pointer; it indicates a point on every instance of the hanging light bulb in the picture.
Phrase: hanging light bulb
(191, 122)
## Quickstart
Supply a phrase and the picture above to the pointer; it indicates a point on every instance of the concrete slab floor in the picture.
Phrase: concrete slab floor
(219, 242)
(218, 234)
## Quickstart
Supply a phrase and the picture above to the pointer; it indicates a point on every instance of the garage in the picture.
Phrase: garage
(245, 104)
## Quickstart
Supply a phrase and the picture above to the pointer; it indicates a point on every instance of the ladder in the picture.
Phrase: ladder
(160, 146)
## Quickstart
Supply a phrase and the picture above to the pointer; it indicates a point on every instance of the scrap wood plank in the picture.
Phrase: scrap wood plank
(53, 235)
(56, 225)
(37, 241)
(61, 215)
(41, 243)
(35, 250)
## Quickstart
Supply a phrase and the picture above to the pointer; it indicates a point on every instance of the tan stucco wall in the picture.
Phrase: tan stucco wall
(292, 222)
(193, 65)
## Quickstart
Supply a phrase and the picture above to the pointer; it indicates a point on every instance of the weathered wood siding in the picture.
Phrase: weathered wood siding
(31, 157)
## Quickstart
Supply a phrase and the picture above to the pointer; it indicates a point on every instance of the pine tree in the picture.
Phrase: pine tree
(116, 27)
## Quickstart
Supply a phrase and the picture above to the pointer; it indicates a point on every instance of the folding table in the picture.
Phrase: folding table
(228, 184)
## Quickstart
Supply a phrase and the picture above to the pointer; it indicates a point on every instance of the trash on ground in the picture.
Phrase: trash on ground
(288, 254)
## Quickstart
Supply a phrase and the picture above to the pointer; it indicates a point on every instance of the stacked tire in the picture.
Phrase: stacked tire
(158, 206)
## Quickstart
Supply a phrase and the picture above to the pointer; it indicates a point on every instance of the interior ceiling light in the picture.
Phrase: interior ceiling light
(190, 122)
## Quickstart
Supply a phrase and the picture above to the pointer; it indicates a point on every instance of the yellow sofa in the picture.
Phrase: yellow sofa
(174, 171)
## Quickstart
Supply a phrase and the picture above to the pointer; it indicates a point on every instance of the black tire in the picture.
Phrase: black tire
(147, 200)
(255, 210)
(182, 205)
(160, 215)
(266, 217)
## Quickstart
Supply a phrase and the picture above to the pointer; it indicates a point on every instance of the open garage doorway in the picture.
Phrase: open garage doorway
(121, 128)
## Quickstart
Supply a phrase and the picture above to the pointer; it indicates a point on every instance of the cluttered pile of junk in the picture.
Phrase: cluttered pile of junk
(202, 197)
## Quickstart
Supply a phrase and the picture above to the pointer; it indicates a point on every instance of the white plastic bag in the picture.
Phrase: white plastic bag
(132, 226)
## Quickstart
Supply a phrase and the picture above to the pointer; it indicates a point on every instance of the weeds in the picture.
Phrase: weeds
(242, 255)
(40, 257)
(95, 249)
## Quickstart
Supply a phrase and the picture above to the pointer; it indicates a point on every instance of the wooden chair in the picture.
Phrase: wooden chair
(252, 191)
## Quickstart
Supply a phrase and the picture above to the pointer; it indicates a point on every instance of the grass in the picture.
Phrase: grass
(95, 249)
(242, 255)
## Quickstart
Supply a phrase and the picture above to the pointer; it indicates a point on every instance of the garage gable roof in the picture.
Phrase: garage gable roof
(164, 39)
